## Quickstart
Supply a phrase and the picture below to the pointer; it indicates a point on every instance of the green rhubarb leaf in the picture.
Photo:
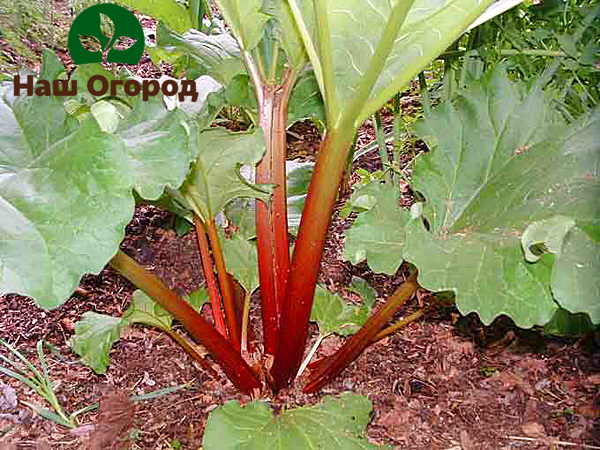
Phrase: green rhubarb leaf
(240, 212)
(197, 299)
(364, 290)
(575, 284)
(501, 159)
(286, 32)
(94, 336)
(148, 128)
(146, 311)
(334, 315)
(335, 423)
(216, 178)
(575, 280)
(564, 323)
(217, 55)
(66, 185)
(298, 181)
(241, 260)
(355, 29)
(65, 198)
(246, 19)
(377, 234)
(306, 101)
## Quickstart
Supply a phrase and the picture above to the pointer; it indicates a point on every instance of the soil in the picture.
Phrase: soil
(445, 382)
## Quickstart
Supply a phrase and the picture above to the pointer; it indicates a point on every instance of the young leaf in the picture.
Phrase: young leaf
(306, 101)
(377, 235)
(241, 259)
(334, 315)
(512, 163)
(216, 179)
(94, 336)
(145, 310)
(335, 423)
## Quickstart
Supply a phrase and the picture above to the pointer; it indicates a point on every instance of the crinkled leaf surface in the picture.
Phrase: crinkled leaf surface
(500, 159)
(377, 234)
(66, 186)
(335, 423)
(65, 198)
(215, 55)
(94, 336)
(241, 259)
(216, 178)
(334, 315)
(356, 27)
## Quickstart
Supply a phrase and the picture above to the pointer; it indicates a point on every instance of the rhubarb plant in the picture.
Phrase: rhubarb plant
(70, 170)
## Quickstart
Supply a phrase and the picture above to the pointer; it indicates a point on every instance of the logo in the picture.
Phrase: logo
(126, 33)
(122, 24)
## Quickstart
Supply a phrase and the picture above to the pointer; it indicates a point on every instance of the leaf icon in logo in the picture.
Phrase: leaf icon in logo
(90, 43)
(124, 42)
(107, 27)
(118, 31)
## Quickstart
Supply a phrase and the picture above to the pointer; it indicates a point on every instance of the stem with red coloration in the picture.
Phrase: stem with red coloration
(316, 217)
(209, 275)
(226, 286)
(332, 366)
(240, 374)
(191, 351)
(271, 221)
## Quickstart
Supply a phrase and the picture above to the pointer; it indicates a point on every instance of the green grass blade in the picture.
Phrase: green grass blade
(42, 358)
(15, 352)
(159, 393)
(84, 410)
(23, 379)
(50, 415)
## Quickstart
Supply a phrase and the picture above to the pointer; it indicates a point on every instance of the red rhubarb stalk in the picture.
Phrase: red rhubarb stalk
(331, 367)
(316, 217)
(231, 314)
(240, 374)
(271, 221)
(209, 276)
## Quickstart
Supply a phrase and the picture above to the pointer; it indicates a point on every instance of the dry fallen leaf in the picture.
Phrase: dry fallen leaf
(115, 418)
(533, 429)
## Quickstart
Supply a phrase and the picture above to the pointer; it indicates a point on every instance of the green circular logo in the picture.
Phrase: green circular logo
(119, 22)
